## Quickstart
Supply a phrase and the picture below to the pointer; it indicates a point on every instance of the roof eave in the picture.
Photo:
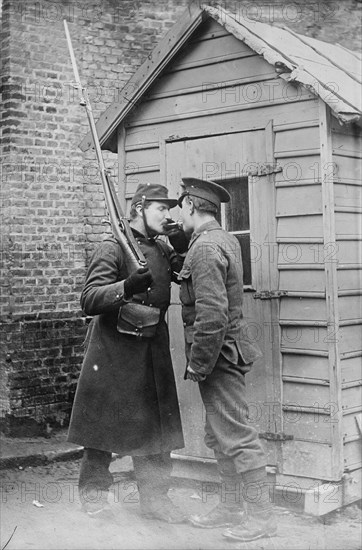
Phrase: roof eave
(342, 110)
(345, 112)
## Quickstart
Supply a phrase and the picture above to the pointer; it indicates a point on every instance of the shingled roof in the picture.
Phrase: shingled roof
(330, 71)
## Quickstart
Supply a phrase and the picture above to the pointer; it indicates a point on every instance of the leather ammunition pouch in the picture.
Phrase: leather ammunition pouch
(138, 320)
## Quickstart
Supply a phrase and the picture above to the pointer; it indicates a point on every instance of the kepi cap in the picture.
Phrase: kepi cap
(153, 192)
(204, 189)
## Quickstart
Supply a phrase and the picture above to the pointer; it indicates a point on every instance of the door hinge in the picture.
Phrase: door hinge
(270, 294)
(277, 436)
(265, 170)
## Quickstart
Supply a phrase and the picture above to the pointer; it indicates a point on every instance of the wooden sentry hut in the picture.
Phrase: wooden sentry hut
(274, 117)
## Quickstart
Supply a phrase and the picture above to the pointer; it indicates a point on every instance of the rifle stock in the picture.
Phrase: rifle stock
(120, 227)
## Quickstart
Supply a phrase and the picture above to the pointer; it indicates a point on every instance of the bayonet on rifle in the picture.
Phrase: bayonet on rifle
(119, 223)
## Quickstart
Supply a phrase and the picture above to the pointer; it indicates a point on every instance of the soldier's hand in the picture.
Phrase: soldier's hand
(177, 236)
(138, 282)
(193, 375)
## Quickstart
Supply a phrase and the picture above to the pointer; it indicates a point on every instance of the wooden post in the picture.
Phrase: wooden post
(330, 268)
(122, 166)
(275, 331)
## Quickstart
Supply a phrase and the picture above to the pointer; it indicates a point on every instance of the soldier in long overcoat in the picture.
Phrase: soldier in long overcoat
(126, 400)
(219, 354)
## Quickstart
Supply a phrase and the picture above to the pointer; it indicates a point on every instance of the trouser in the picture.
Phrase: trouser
(152, 474)
(236, 444)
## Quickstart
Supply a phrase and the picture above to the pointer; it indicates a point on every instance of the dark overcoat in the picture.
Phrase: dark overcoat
(126, 400)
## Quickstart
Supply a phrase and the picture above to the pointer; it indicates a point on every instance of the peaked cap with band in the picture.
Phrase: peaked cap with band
(152, 192)
(204, 189)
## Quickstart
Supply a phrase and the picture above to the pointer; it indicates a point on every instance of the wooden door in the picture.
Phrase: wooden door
(228, 160)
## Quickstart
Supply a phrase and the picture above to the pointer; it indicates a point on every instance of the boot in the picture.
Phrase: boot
(96, 505)
(94, 483)
(230, 510)
(222, 515)
(260, 519)
(153, 479)
(162, 508)
(256, 526)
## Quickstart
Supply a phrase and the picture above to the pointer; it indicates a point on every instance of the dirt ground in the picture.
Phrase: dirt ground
(40, 510)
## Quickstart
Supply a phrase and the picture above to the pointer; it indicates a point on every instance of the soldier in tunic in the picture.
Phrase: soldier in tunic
(126, 400)
(219, 354)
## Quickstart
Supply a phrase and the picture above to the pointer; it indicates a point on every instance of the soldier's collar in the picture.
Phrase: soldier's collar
(204, 228)
(207, 226)
(140, 235)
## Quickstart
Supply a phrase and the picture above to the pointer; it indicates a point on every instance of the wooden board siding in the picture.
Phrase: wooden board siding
(296, 140)
(294, 280)
(352, 455)
(350, 426)
(146, 139)
(307, 366)
(347, 144)
(303, 309)
(348, 254)
(349, 224)
(142, 157)
(298, 169)
(352, 397)
(198, 65)
(217, 87)
(350, 338)
(282, 115)
(305, 339)
(201, 51)
(200, 103)
(349, 280)
(247, 68)
(313, 426)
(346, 140)
(347, 169)
(299, 200)
(297, 228)
(142, 165)
(305, 395)
(348, 213)
(307, 458)
(308, 335)
(349, 308)
(351, 368)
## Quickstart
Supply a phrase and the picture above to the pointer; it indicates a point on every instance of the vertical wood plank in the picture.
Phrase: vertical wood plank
(163, 168)
(274, 305)
(330, 269)
(121, 133)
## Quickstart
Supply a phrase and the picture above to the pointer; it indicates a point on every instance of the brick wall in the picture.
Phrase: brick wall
(52, 205)
(42, 370)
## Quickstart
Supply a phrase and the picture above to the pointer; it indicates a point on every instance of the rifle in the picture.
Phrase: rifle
(119, 223)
